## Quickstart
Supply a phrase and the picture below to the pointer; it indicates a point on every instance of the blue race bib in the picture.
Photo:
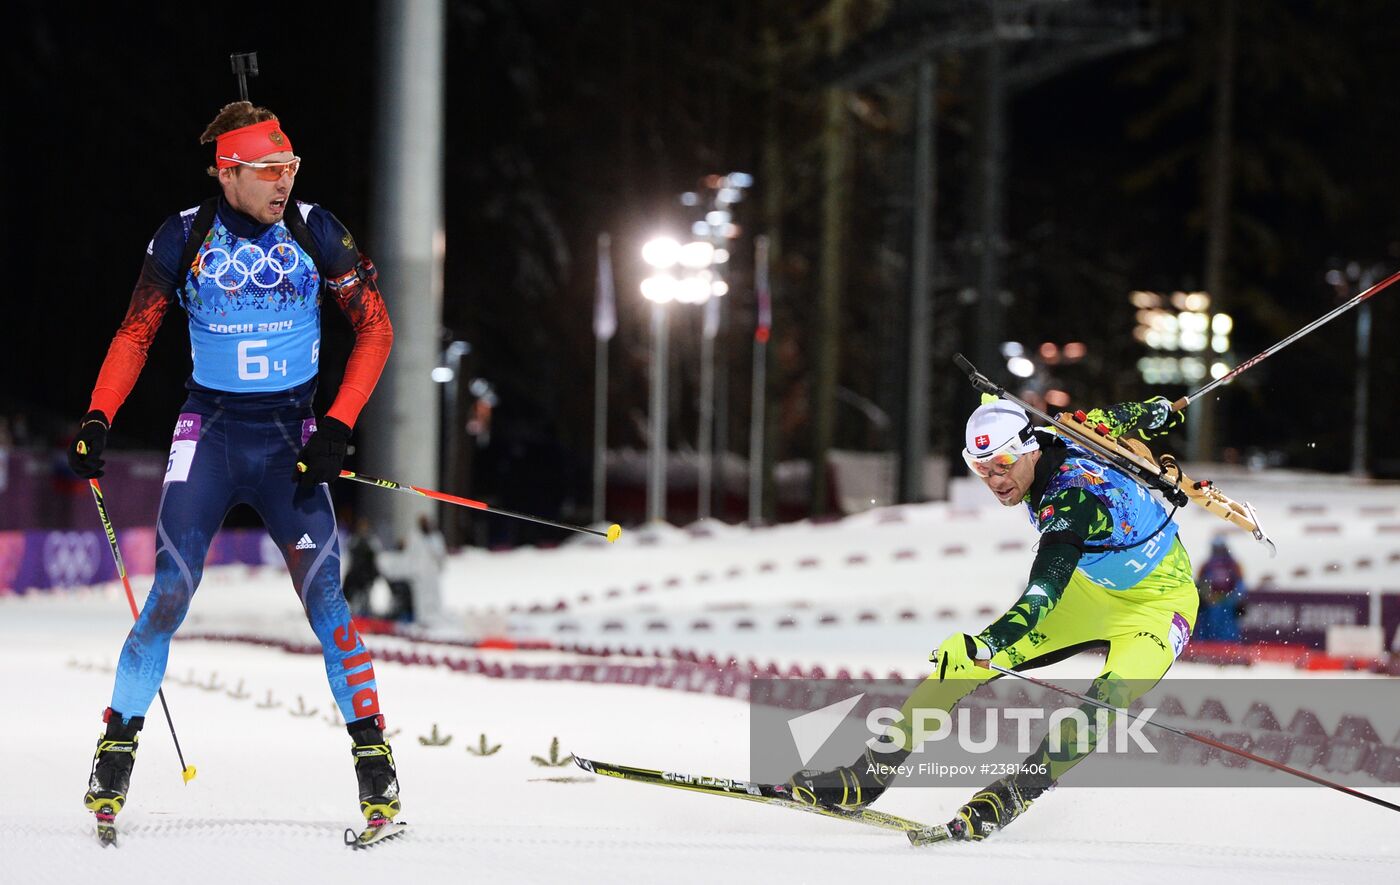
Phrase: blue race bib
(254, 308)
(1139, 521)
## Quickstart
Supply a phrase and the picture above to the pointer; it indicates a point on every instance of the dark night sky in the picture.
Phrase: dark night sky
(564, 119)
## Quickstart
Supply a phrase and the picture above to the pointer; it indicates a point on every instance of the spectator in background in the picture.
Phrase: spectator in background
(414, 572)
(397, 568)
(362, 569)
(1221, 585)
(426, 552)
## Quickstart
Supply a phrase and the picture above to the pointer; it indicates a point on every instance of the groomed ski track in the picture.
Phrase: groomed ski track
(275, 791)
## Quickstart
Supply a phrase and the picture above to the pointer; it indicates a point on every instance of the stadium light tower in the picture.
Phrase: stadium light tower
(661, 288)
(688, 273)
(1348, 282)
(718, 195)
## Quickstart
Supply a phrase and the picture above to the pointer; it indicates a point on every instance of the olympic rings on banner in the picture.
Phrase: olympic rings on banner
(71, 559)
(249, 265)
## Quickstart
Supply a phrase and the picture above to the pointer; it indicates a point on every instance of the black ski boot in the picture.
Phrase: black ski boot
(111, 771)
(847, 788)
(374, 767)
(992, 808)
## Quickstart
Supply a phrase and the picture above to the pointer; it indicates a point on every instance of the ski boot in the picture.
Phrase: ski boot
(111, 772)
(846, 788)
(992, 808)
(379, 783)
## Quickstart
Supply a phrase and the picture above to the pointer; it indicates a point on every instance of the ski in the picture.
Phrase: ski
(107, 833)
(379, 829)
(933, 835)
(106, 814)
(769, 794)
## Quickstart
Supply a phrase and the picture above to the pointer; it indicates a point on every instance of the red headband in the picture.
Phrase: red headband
(250, 142)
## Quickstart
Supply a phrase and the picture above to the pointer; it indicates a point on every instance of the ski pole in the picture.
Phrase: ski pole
(613, 532)
(186, 771)
(1199, 738)
(1269, 351)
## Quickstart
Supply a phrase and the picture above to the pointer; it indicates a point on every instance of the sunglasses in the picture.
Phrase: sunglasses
(986, 465)
(269, 171)
(1001, 457)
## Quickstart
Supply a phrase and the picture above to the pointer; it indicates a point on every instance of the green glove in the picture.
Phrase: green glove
(1148, 420)
(955, 657)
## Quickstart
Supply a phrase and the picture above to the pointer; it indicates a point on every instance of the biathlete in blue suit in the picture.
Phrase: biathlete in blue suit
(250, 272)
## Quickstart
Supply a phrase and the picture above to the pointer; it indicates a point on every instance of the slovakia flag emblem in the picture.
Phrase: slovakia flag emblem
(983, 441)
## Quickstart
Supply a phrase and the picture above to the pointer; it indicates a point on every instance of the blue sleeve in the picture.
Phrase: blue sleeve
(163, 253)
(337, 247)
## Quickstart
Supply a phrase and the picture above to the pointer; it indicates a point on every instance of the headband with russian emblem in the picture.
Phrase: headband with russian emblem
(248, 143)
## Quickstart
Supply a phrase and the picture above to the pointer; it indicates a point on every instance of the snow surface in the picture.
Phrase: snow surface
(275, 791)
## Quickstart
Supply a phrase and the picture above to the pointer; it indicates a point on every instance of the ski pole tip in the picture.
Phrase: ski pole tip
(188, 774)
(614, 532)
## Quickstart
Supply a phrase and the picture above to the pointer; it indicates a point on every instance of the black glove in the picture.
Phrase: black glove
(85, 454)
(320, 459)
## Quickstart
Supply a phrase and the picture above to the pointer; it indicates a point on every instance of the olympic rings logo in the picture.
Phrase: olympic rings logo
(249, 264)
(71, 559)
(1089, 467)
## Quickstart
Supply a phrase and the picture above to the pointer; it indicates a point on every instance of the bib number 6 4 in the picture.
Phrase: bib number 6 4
(254, 366)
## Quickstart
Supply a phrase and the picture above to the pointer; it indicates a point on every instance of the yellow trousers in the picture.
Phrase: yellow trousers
(1144, 628)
